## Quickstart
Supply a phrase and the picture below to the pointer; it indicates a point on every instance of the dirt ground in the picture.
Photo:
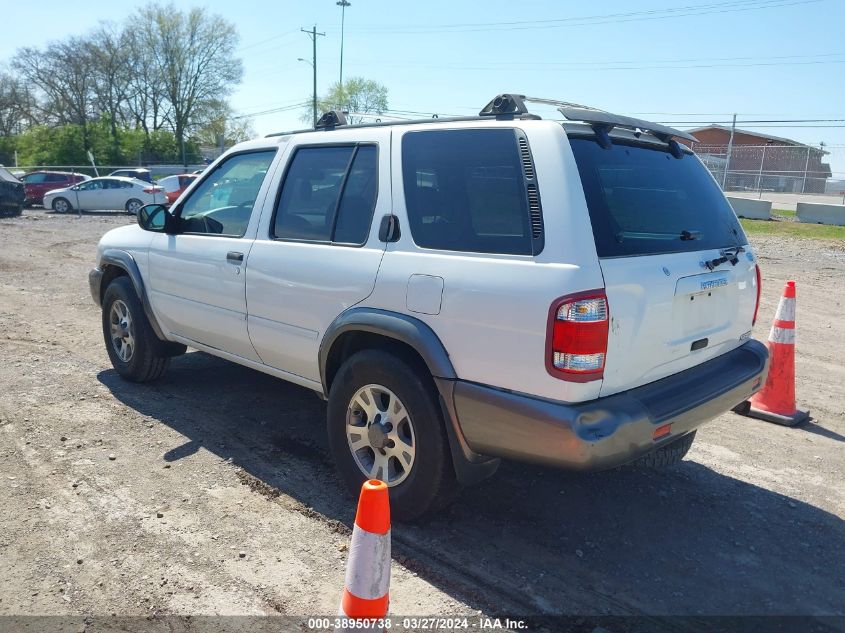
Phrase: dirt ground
(211, 491)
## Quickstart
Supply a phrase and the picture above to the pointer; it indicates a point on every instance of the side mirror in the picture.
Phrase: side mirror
(155, 218)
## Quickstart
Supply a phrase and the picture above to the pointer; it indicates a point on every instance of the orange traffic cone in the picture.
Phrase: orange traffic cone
(775, 402)
(365, 594)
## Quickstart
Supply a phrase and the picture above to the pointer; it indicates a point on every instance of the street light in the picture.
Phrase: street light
(342, 4)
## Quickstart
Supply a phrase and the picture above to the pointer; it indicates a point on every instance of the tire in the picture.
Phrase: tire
(428, 483)
(132, 206)
(140, 361)
(668, 455)
(61, 205)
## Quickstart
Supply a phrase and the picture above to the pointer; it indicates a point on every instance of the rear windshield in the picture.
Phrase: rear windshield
(644, 201)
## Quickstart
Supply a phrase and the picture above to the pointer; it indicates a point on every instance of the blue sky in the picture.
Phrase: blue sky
(691, 60)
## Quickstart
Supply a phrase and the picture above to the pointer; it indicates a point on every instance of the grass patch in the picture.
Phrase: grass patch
(784, 212)
(793, 229)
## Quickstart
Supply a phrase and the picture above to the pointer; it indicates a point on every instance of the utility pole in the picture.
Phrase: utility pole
(342, 4)
(728, 158)
(313, 35)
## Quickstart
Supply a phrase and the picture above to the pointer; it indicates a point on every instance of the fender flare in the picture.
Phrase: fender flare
(469, 466)
(125, 261)
(395, 325)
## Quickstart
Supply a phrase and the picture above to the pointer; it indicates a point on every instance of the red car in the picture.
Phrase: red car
(175, 185)
(37, 183)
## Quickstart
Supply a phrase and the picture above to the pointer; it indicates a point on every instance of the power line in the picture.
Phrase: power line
(565, 67)
(593, 20)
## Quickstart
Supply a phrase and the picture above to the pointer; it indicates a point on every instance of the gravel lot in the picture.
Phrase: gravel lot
(211, 491)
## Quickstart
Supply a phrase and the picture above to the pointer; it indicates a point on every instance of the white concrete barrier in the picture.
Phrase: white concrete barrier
(821, 213)
(754, 209)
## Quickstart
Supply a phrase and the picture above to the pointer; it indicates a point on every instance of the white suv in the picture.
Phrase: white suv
(574, 293)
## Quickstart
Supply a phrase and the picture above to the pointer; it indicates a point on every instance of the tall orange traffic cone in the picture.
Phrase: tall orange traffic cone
(775, 402)
(365, 594)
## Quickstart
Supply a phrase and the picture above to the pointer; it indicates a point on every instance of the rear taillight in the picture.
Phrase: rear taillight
(153, 190)
(759, 287)
(576, 341)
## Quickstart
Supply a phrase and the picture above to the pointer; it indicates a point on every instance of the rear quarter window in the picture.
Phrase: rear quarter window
(465, 191)
(641, 200)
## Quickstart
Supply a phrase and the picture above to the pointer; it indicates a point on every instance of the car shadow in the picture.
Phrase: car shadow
(530, 540)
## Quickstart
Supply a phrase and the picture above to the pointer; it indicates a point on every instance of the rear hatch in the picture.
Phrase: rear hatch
(658, 221)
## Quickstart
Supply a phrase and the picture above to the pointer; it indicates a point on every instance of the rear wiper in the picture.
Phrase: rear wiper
(727, 255)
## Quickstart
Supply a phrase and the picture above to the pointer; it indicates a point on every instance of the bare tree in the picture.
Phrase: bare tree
(63, 73)
(111, 76)
(194, 54)
(16, 105)
(146, 100)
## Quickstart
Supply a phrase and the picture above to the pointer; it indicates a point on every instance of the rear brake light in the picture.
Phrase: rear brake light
(153, 190)
(576, 340)
(759, 288)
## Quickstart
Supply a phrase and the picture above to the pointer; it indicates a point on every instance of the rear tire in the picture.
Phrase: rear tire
(133, 205)
(426, 481)
(133, 347)
(666, 456)
(61, 205)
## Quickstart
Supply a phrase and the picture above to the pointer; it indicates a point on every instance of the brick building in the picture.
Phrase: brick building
(761, 161)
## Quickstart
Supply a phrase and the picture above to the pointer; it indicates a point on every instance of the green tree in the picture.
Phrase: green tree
(357, 95)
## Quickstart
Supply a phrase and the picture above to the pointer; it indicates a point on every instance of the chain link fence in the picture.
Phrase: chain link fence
(774, 168)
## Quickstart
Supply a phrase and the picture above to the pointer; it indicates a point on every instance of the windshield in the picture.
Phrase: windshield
(644, 201)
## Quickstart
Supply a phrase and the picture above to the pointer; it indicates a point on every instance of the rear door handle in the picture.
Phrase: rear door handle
(234, 258)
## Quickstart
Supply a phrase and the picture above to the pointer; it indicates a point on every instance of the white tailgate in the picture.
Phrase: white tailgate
(663, 307)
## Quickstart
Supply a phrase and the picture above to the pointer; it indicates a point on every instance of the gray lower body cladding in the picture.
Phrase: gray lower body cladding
(610, 431)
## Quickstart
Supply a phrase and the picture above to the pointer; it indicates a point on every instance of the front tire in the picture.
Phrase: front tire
(132, 345)
(61, 205)
(384, 423)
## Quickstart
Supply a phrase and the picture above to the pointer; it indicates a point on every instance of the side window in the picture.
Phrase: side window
(328, 195)
(35, 178)
(355, 213)
(91, 185)
(57, 178)
(465, 191)
(223, 203)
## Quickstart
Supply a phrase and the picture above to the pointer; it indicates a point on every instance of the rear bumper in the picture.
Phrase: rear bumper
(610, 431)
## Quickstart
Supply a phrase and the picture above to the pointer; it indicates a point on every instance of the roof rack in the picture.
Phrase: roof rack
(607, 121)
(330, 120)
(508, 106)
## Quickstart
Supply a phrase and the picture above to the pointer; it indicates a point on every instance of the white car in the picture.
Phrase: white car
(108, 193)
(577, 294)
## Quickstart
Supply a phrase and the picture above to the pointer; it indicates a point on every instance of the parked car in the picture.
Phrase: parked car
(139, 173)
(37, 183)
(107, 193)
(11, 193)
(175, 185)
(576, 294)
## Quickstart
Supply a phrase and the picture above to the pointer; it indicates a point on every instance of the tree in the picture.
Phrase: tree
(63, 73)
(357, 94)
(221, 126)
(193, 53)
(110, 75)
(16, 104)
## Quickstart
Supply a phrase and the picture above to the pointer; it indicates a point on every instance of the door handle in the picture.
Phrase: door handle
(234, 258)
